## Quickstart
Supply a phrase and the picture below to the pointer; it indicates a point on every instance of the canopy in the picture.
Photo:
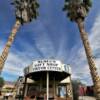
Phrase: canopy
(39, 68)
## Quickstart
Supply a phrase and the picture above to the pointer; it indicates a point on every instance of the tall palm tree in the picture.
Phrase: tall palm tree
(77, 11)
(25, 11)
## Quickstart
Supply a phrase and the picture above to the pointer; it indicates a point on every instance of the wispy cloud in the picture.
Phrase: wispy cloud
(95, 41)
(51, 35)
(78, 60)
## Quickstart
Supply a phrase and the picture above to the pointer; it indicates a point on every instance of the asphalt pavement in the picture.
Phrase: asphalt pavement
(86, 98)
(80, 98)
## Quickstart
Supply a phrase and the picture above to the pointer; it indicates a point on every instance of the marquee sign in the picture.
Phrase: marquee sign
(47, 65)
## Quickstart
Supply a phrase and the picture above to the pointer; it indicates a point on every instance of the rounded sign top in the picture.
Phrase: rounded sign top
(47, 65)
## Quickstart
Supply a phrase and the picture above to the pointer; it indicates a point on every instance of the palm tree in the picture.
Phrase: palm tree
(77, 10)
(25, 11)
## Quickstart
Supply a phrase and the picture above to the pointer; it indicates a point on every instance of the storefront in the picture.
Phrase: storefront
(47, 75)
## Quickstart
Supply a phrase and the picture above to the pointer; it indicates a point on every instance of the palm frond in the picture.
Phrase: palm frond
(26, 10)
(77, 8)
(88, 2)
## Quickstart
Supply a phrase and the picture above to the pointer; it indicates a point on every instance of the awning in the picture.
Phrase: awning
(58, 76)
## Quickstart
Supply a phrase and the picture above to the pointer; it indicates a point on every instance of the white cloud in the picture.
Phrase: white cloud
(15, 64)
(95, 41)
(79, 61)
(16, 61)
(43, 41)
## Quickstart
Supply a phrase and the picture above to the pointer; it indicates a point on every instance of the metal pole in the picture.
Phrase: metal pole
(40, 84)
(71, 87)
(24, 87)
(47, 85)
(54, 87)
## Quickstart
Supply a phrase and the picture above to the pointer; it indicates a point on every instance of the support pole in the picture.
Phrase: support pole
(41, 84)
(24, 87)
(47, 85)
(54, 87)
(71, 88)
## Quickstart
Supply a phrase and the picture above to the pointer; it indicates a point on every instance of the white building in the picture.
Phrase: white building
(48, 79)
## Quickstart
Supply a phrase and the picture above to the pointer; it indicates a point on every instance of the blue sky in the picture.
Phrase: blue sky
(51, 35)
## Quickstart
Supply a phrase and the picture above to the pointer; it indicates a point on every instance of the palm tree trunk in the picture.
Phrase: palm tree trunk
(93, 69)
(11, 38)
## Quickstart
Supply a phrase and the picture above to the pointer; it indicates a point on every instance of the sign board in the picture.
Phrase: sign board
(46, 65)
